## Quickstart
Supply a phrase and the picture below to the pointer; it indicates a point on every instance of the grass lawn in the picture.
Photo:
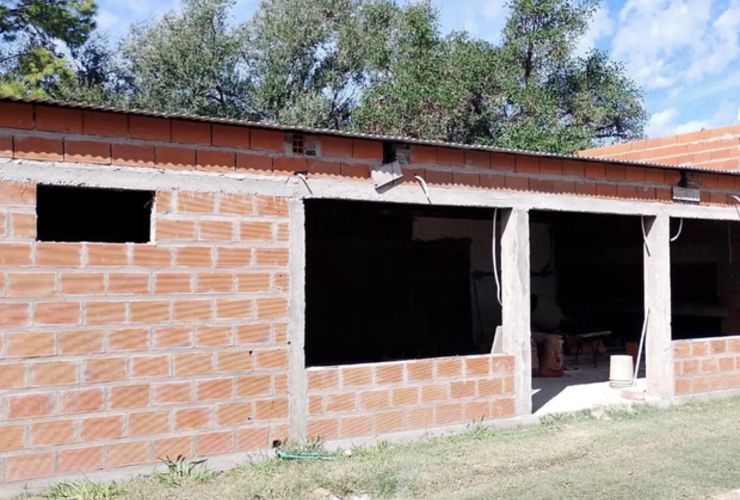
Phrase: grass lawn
(691, 452)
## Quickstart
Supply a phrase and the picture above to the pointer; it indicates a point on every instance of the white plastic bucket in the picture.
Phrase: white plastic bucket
(620, 371)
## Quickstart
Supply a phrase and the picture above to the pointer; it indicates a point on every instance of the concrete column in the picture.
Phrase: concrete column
(297, 379)
(657, 278)
(516, 303)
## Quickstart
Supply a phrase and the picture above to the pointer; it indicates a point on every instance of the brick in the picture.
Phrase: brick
(105, 124)
(213, 443)
(356, 426)
(322, 379)
(196, 203)
(83, 283)
(100, 428)
(586, 188)
(419, 371)
(466, 179)
(272, 308)
(448, 414)
(193, 364)
(253, 385)
(30, 466)
(477, 410)
(253, 163)
(271, 409)
(255, 231)
(16, 115)
(147, 423)
(23, 225)
(31, 285)
(193, 256)
(477, 159)
(718, 346)
(527, 164)
(150, 311)
(17, 194)
(420, 418)
(150, 366)
(165, 338)
(52, 433)
(253, 438)
(315, 405)
(30, 405)
(269, 359)
(233, 361)
(338, 147)
(150, 128)
(175, 230)
(272, 257)
(137, 155)
(191, 132)
(106, 255)
(516, 183)
(271, 206)
(356, 376)
(107, 369)
(192, 418)
(12, 376)
(324, 428)
(324, 168)
(210, 230)
(501, 365)
(374, 400)
(342, 402)
(449, 368)
(128, 283)
(451, 157)
(191, 310)
(433, 393)
(57, 313)
(461, 390)
(267, 140)
(289, 165)
(173, 283)
(236, 204)
(172, 392)
(175, 157)
(124, 454)
(405, 396)
(30, 344)
(213, 336)
(211, 390)
(14, 314)
(105, 312)
(15, 255)
(367, 150)
(54, 119)
(233, 257)
(489, 387)
(12, 437)
(81, 401)
(54, 373)
(215, 160)
(389, 421)
(574, 168)
(58, 254)
(230, 136)
(438, 177)
(699, 348)
(129, 396)
(252, 282)
(476, 366)
(551, 166)
(87, 152)
(6, 146)
(80, 459)
(172, 447)
(39, 148)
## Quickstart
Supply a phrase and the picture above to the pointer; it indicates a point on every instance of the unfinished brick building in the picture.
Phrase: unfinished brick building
(183, 285)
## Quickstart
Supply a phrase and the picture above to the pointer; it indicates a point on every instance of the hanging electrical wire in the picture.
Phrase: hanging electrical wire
(644, 234)
(680, 228)
(423, 187)
(494, 241)
(302, 177)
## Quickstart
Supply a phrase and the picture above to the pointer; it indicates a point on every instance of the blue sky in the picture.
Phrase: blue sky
(684, 53)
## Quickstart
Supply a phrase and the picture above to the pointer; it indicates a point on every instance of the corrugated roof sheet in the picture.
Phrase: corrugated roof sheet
(353, 135)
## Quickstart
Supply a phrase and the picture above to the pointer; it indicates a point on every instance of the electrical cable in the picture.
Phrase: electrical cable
(423, 187)
(495, 263)
(644, 234)
(302, 177)
(680, 228)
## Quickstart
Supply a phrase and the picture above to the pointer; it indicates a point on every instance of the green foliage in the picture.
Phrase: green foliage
(35, 34)
(312, 446)
(83, 490)
(181, 470)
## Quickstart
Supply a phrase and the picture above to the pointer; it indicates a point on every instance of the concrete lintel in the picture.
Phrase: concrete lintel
(516, 311)
(79, 174)
(657, 283)
(297, 380)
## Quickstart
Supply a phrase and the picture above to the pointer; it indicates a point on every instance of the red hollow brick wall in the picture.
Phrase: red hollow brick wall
(375, 399)
(706, 365)
(121, 354)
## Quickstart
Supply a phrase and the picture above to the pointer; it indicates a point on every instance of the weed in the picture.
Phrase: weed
(181, 469)
(299, 447)
(83, 490)
(477, 430)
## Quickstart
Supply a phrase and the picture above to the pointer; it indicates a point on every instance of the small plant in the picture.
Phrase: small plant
(312, 446)
(477, 430)
(84, 490)
(181, 470)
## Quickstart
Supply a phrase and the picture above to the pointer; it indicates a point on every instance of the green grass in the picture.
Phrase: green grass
(691, 452)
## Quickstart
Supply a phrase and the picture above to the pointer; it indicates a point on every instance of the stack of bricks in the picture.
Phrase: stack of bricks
(49, 133)
(706, 365)
(121, 354)
(717, 149)
(376, 399)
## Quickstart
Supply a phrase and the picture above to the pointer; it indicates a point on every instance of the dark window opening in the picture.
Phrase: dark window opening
(392, 282)
(74, 214)
(389, 152)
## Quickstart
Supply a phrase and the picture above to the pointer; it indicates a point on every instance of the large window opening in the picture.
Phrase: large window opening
(587, 303)
(75, 214)
(705, 279)
(391, 282)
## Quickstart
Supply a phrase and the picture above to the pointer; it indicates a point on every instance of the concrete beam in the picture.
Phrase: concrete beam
(297, 379)
(657, 282)
(516, 304)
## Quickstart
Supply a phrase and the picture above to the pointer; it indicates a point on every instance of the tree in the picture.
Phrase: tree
(38, 36)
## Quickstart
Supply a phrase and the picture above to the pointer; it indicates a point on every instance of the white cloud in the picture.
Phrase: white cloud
(661, 123)
(664, 42)
(600, 28)
(669, 122)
